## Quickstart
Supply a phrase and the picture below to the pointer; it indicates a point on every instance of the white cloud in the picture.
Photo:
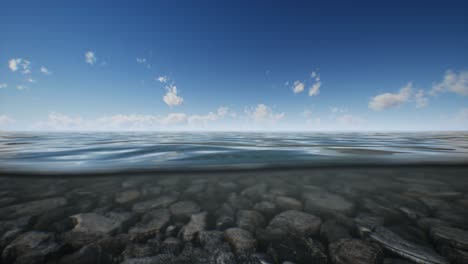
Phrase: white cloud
(452, 82)
(6, 120)
(391, 100)
(162, 79)
(16, 64)
(30, 80)
(90, 57)
(3, 85)
(262, 114)
(335, 110)
(315, 89)
(421, 99)
(45, 71)
(141, 60)
(22, 87)
(13, 64)
(313, 75)
(171, 98)
(298, 87)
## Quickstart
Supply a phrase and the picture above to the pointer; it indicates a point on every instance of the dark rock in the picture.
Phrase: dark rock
(31, 247)
(138, 250)
(366, 223)
(427, 223)
(171, 245)
(297, 250)
(160, 202)
(455, 255)
(396, 261)
(33, 208)
(241, 241)
(151, 223)
(285, 203)
(101, 224)
(210, 239)
(255, 192)
(193, 255)
(406, 249)
(127, 196)
(327, 203)
(159, 259)
(197, 224)
(331, 231)
(239, 202)
(355, 251)
(382, 207)
(92, 253)
(266, 208)
(48, 220)
(296, 223)
(250, 220)
(455, 237)
(181, 211)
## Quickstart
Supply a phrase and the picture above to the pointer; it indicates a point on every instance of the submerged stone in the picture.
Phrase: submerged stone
(406, 249)
(455, 237)
(327, 203)
(296, 223)
(181, 211)
(197, 224)
(298, 250)
(31, 247)
(355, 251)
(32, 208)
(160, 202)
(241, 241)
(151, 223)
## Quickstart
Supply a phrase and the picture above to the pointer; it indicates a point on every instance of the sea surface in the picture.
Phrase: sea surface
(80, 152)
(234, 198)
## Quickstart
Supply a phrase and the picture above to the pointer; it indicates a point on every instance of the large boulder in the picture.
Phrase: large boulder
(296, 223)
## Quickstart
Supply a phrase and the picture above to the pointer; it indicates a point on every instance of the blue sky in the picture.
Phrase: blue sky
(234, 65)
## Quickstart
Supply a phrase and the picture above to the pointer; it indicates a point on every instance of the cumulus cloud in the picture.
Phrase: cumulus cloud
(6, 120)
(315, 89)
(13, 64)
(452, 82)
(162, 79)
(391, 100)
(3, 85)
(90, 57)
(30, 80)
(18, 63)
(298, 87)
(45, 71)
(421, 99)
(171, 98)
(262, 114)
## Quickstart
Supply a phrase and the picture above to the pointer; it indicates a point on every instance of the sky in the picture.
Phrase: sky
(233, 65)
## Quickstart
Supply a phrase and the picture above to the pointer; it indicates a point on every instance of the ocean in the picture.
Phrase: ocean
(234, 197)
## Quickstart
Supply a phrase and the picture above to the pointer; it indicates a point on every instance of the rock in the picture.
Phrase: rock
(100, 224)
(151, 223)
(197, 224)
(406, 249)
(191, 254)
(241, 241)
(31, 247)
(285, 203)
(296, 223)
(92, 253)
(48, 220)
(127, 196)
(181, 211)
(250, 220)
(455, 237)
(331, 231)
(255, 192)
(171, 245)
(239, 202)
(396, 261)
(159, 259)
(382, 207)
(366, 223)
(427, 223)
(33, 208)
(297, 250)
(455, 255)
(355, 251)
(150, 190)
(327, 203)
(138, 250)
(266, 208)
(160, 202)
(210, 240)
